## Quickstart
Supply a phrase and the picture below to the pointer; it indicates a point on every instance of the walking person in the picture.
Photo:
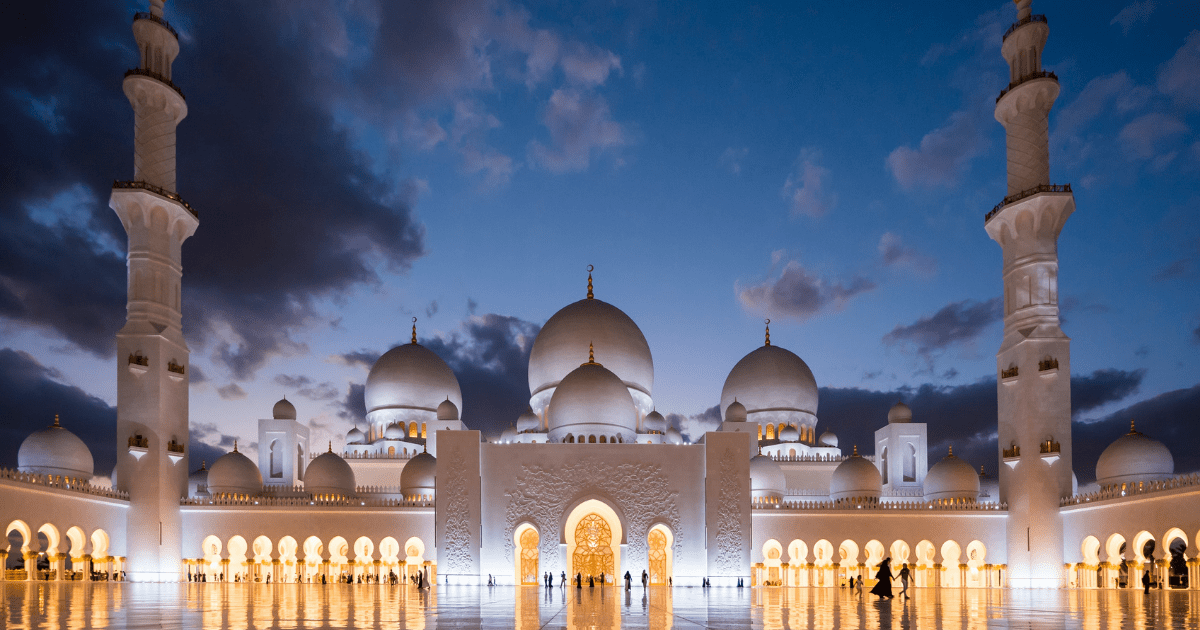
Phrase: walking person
(1146, 582)
(858, 585)
(563, 581)
(904, 575)
(883, 588)
(628, 581)
(645, 578)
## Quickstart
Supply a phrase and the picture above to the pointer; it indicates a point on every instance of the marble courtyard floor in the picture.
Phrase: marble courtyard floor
(247, 606)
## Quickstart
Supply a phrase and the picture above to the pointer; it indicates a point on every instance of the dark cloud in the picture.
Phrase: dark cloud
(231, 391)
(1173, 270)
(307, 388)
(293, 382)
(894, 253)
(955, 323)
(354, 406)
(432, 309)
(30, 395)
(962, 416)
(361, 358)
(694, 427)
(201, 436)
(196, 376)
(799, 294)
(291, 214)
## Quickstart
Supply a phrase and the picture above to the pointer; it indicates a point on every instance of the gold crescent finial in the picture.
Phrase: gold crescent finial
(331, 446)
(56, 420)
(590, 294)
(951, 451)
(768, 332)
(855, 451)
(1132, 430)
(414, 337)
(235, 446)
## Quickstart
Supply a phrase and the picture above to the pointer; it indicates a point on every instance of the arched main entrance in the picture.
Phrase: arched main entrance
(527, 555)
(659, 552)
(593, 534)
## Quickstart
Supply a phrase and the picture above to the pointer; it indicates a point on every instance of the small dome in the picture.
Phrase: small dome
(55, 451)
(508, 435)
(789, 434)
(284, 410)
(1132, 458)
(899, 413)
(528, 421)
(592, 400)
(234, 473)
(674, 436)
(329, 474)
(654, 422)
(766, 478)
(393, 432)
(855, 478)
(354, 436)
(197, 479)
(418, 476)
(447, 410)
(952, 478)
(828, 438)
(735, 412)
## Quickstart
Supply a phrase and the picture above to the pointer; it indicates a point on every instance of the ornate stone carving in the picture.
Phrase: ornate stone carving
(457, 540)
(729, 521)
(640, 491)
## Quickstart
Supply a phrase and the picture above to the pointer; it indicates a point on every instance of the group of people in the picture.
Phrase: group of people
(883, 581)
(417, 579)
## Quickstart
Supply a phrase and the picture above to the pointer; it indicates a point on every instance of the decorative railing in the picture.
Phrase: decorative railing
(158, 191)
(139, 442)
(1022, 22)
(1047, 365)
(63, 483)
(1050, 446)
(1040, 188)
(357, 455)
(176, 368)
(144, 15)
(1010, 372)
(816, 458)
(175, 447)
(953, 505)
(137, 359)
(1041, 74)
(1014, 451)
(142, 72)
(1132, 489)
(269, 501)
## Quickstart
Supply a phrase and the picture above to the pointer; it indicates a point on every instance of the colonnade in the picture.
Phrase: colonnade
(77, 562)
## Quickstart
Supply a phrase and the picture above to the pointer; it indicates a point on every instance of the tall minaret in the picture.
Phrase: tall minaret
(1034, 362)
(152, 356)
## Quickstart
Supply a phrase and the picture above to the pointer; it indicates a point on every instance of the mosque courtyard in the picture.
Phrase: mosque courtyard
(28, 605)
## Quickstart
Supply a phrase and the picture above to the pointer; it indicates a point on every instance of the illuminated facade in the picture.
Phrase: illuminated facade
(592, 480)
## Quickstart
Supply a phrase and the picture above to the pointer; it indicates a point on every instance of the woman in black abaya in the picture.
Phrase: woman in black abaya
(883, 587)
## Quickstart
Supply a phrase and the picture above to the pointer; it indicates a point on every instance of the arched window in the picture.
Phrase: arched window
(591, 439)
(770, 432)
(391, 451)
(603, 439)
(299, 462)
(276, 459)
(883, 460)
(910, 462)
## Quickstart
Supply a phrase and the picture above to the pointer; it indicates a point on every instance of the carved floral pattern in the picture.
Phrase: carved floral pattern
(457, 539)
(731, 500)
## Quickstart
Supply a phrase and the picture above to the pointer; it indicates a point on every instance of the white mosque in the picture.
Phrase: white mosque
(591, 479)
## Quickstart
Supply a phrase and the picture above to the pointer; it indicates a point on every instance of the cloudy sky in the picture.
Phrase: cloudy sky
(357, 164)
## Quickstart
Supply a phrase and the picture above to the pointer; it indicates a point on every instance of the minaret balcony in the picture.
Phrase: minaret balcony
(1051, 451)
(175, 451)
(1010, 456)
(1022, 22)
(142, 72)
(1011, 199)
(1040, 74)
(162, 192)
(146, 15)
(138, 446)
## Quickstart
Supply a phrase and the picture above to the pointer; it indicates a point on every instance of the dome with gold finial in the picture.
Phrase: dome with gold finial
(951, 478)
(408, 383)
(1132, 458)
(855, 478)
(328, 475)
(592, 401)
(55, 451)
(234, 473)
(620, 346)
(774, 385)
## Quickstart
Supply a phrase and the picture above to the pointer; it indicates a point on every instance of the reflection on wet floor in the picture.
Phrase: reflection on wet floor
(252, 606)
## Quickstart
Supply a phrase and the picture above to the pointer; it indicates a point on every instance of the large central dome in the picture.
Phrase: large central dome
(774, 385)
(563, 343)
(410, 378)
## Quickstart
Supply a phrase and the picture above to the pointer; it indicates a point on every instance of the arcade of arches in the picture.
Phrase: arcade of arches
(1121, 562)
(289, 560)
(48, 554)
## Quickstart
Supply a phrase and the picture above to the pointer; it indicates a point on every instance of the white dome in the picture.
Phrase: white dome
(419, 475)
(899, 413)
(234, 473)
(392, 432)
(508, 435)
(735, 412)
(789, 434)
(766, 478)
(410, 377)
(55, 451)
(592, 401)
(284, 410)
(828, 438)
(354, 436)
(1132, 458)
(674, 436)
(855, 478)
(528, 421)
(329, 474)
(775, 386)
(952, 478)
(198, 478)
(563, 341)
(447, 410)
(654, 422)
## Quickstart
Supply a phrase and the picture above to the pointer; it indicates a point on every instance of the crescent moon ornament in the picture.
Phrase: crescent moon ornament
(768, 321)
(590, 294)
(591, 268)
(415, 320)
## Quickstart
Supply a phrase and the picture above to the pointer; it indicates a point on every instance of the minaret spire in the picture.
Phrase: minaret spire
(1033, 401)
(414, 336)
(768, 341)
(152, 391)
(590, 295)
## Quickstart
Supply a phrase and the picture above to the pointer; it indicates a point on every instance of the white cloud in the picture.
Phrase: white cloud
(580, 124)
(805, 186)
(894, 253)
(1136, 13)
(1179, 77)
(588, 65)
(943, 155)
(1145, 135)
(799, 293)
